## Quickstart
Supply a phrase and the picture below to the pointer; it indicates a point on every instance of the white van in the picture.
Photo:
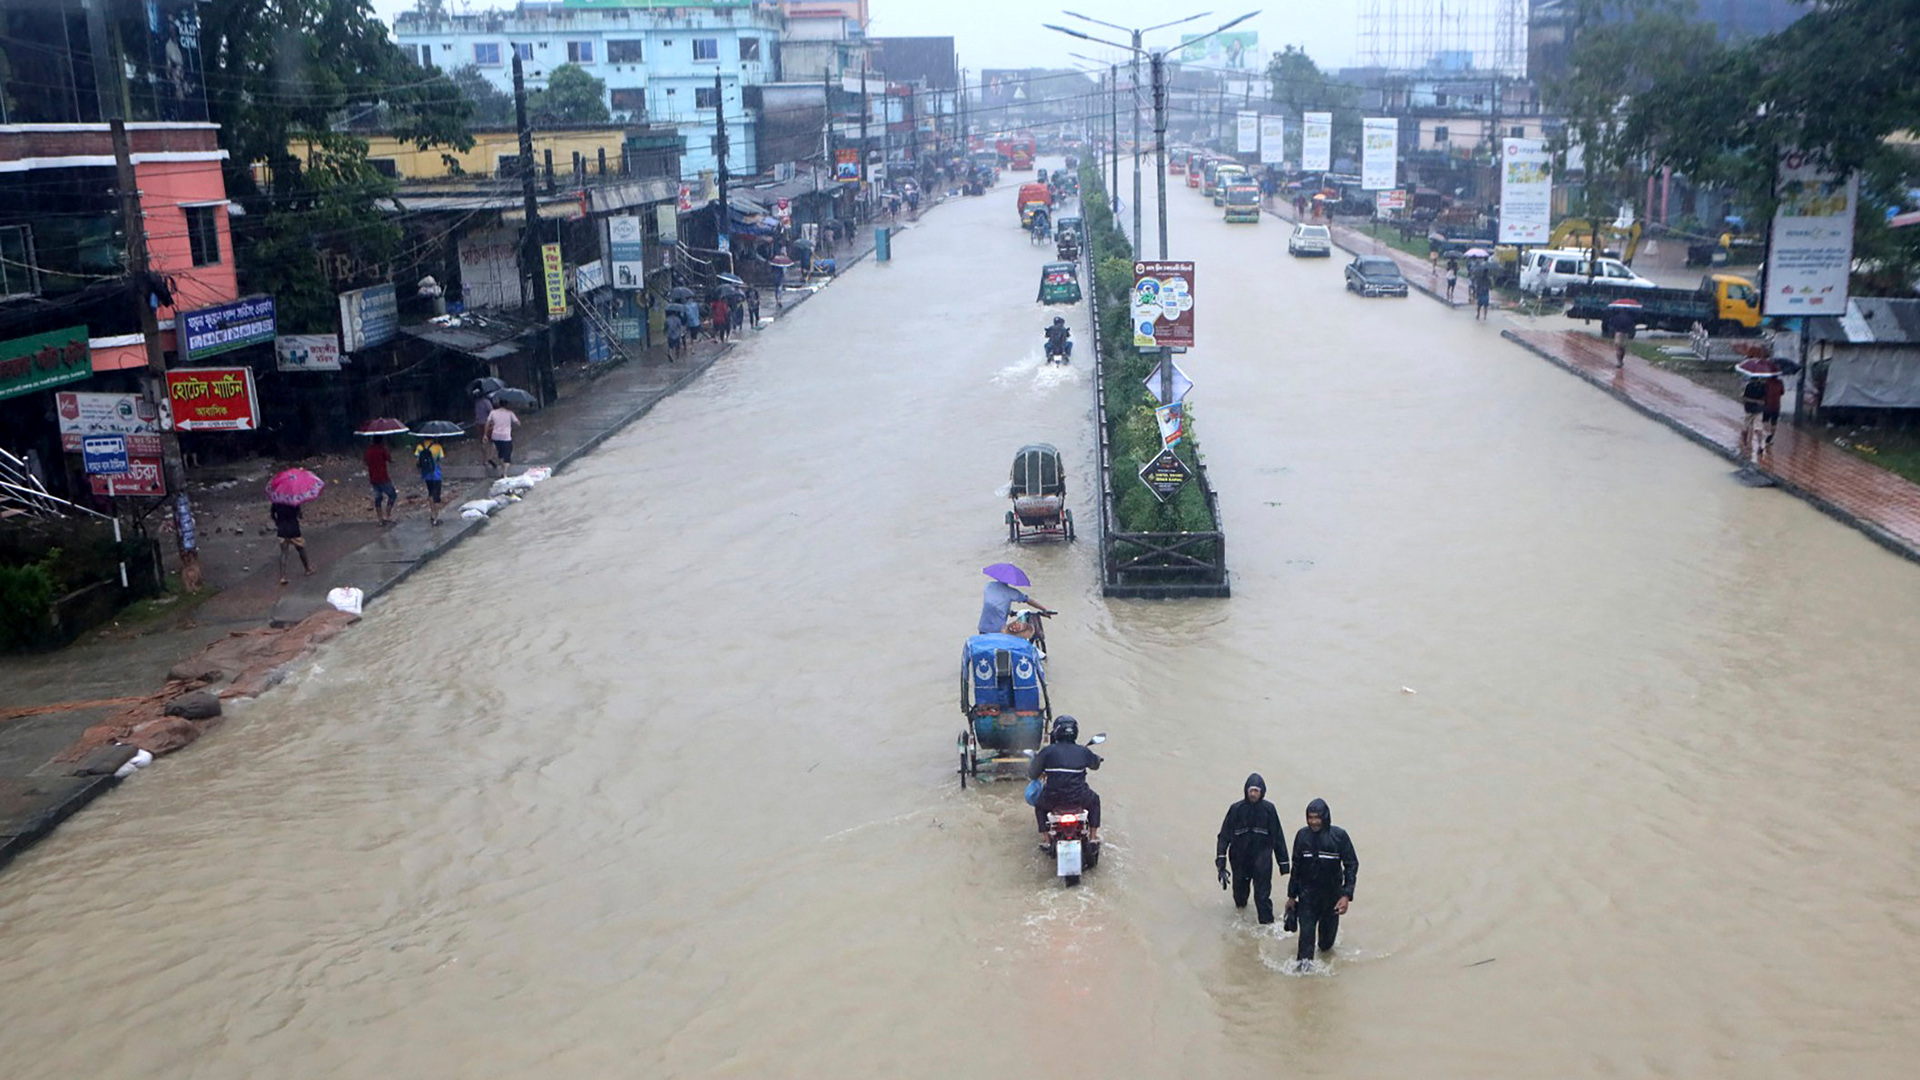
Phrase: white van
(1548, 272)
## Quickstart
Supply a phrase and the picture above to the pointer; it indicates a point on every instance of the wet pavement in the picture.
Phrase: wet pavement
(655, 777)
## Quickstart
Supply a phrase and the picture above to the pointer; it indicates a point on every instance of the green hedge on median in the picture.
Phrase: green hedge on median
(1133, 436)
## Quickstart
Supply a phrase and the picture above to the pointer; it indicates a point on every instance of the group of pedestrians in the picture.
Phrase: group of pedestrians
(1320, 871)
(1479, 281)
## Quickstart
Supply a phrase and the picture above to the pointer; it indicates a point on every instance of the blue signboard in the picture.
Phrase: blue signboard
(369, 317)
(105, 454)
(225, 327)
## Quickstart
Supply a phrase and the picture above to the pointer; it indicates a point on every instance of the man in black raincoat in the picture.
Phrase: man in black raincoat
(1323, 886)
(1251, 841)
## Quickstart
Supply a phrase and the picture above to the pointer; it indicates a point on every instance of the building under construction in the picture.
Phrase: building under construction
(1444, 35)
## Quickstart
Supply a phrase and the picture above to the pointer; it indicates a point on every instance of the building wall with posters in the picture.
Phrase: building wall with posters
(658, 64)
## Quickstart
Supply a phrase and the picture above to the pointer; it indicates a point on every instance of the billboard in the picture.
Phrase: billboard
(369, 317)
(306, 352)
(1238, 50)
(1246, 132)
(555, 271)
(1380, 156)
(1811, 249)
(1526, 191)
(1273, 140)
(626, 252)
(105, 414)
(1000, 87)
(50, 359)
(1162, 304)
(225, 327)
(213, 399)
(846, 164)
(1316, 142)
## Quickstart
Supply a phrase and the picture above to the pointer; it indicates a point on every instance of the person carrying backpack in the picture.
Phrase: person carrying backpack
(427, 460)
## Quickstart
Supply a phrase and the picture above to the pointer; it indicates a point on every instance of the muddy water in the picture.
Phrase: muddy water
(654, 778)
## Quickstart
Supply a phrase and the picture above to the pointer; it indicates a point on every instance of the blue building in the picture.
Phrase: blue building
(658, 62)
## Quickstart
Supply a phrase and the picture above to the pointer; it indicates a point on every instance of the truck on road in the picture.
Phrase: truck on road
(1723, 304)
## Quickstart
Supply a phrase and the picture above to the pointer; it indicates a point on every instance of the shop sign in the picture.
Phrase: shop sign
(138, 445)
(846, 164)
(104, 414)
(369, 317)
(50, 359)
(589, 276)
(103, 454)
(226, 327)
(626, 251)
(1165, 475)
(555, 270)
(1389, 201)
(144, 476)
(1162, 304)
(213, 399)
(307, 352)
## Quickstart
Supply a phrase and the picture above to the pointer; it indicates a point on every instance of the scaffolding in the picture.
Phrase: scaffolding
(1445, 35)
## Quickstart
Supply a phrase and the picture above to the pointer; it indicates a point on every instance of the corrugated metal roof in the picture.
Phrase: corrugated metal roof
(1871, 320)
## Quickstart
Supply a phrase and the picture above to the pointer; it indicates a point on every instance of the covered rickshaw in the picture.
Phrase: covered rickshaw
(1038, 488)
(1003, 695)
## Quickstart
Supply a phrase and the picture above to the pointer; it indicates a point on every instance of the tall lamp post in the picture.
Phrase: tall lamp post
(1138, 52)
(1158, 60)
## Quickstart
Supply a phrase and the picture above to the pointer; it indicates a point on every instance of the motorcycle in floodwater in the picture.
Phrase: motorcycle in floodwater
(1074, 852)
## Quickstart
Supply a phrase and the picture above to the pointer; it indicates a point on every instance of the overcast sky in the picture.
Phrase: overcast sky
(1007, 33)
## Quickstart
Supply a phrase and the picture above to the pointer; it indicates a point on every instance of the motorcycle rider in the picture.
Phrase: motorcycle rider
(1252, 842)
(1064, 764)
(1320, 892)
(1060, 339)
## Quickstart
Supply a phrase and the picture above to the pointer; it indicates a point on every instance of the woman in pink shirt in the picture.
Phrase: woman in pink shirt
(500, 424)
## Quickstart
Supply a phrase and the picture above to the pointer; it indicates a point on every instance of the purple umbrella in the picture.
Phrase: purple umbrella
(1007, 574)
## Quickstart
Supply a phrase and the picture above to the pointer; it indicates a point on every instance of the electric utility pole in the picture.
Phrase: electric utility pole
(172, 466)
(531, 298)
(1138, 243)
(724, 228)
(864, 109)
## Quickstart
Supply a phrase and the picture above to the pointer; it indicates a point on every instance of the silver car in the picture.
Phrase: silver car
(1310, 240)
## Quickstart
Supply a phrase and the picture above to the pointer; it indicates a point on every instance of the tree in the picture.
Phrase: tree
(281, 79)
(492, 106)
(572, 97)
(1298, 85)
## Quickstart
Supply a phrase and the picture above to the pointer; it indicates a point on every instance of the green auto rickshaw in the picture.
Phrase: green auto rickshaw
(1060, 283)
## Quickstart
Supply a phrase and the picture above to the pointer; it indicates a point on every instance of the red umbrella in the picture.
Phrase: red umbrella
(383, 425)
(293, 487)
(1759, 367)
(1625, 304)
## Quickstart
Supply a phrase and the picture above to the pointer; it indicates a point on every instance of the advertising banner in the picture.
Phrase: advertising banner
(225, 327)
(1389, 201)
(50, 359)
(1165, 475)
(143, 476)
(306, 352)
(1526, 191)
(1238, 49)
(1316, 141)
(1811, 250)
(1273, 140)
(1246, 132)
(1162, 304)
(626, 252)
(555, 270)
(104, 414)
(1380, 153)
(1172, 420)
(846, 164)
(213, 399)
(369, 317)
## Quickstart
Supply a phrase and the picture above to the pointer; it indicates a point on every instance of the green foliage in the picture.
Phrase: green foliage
(1297, 84)
(26, 597)
(492, 106)
(283, 80)
(572, 96)
(1132, 435)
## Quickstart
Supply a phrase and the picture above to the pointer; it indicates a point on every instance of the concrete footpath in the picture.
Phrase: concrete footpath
(50, 700)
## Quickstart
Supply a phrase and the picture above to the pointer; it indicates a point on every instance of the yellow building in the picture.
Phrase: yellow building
(495, 153)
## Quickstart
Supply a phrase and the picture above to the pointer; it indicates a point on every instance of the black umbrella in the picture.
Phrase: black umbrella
(514, 399)
(679, 294)
(439, 429)
(485, 387)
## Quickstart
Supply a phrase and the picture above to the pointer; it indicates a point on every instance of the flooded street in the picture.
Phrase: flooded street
(655, 777)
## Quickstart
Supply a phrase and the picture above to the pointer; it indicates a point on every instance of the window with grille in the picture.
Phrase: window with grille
(626, 52)
(524, 50)
(203, 234)
(706, 48)
(579, 52)
(630, 100)
(749, 49)
(1439, 136)
(18, 277)
(487, 53)
(705, 97)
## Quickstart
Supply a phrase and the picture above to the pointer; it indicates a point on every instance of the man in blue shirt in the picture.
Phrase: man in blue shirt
(1000, 598)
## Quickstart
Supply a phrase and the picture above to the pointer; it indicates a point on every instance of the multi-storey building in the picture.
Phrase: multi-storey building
(659, 63)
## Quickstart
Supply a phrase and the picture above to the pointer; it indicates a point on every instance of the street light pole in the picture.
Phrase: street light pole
(1137, 241)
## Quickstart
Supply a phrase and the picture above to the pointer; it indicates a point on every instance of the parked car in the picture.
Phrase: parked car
(1548, 272)
(1375, 275)
(1310, 240)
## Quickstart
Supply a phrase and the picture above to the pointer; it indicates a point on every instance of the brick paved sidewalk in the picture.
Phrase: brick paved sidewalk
(1802, 461)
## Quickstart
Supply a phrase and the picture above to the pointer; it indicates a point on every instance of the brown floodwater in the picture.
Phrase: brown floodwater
(654, 778)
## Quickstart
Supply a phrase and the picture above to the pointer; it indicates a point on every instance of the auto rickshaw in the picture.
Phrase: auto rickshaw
(1059, 283)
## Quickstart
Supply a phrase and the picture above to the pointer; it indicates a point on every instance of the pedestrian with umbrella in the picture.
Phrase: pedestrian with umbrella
(722, 318)
(427, 456)
(379, 463)
(1760, 396)
(286, 494)
(482, 391)
(1620, 320)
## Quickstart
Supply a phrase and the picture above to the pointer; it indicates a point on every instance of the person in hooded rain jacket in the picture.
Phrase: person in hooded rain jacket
(1251, 841)
(1325, 868)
